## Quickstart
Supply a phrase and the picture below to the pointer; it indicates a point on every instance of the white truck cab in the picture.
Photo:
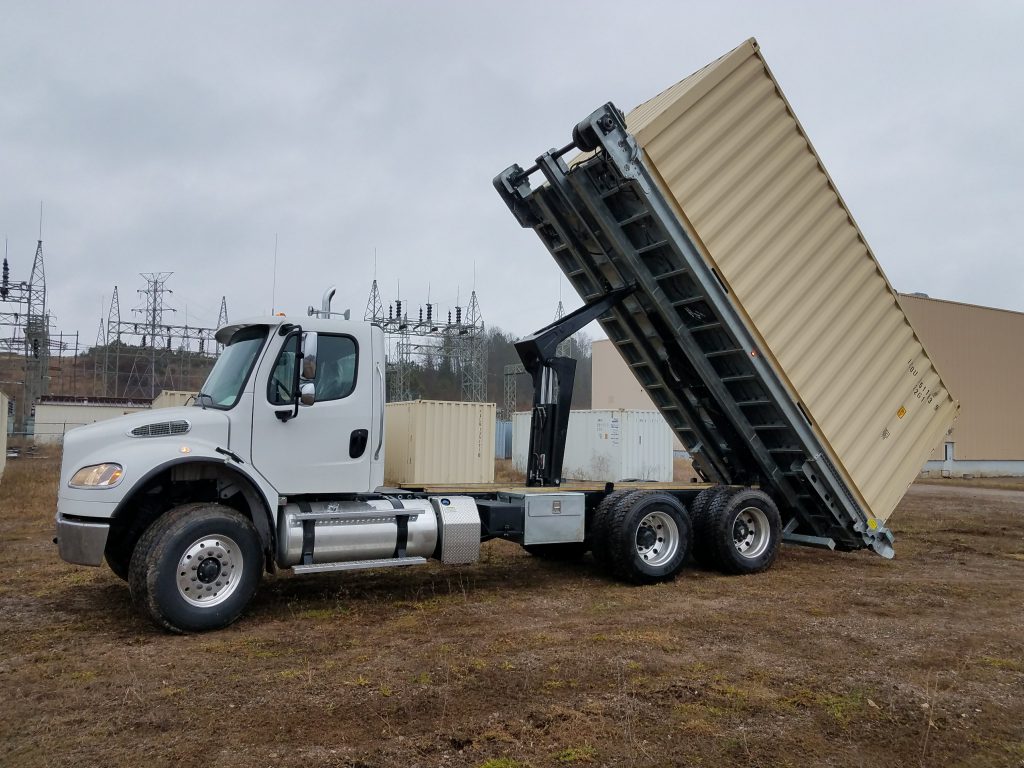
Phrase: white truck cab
(277, 464)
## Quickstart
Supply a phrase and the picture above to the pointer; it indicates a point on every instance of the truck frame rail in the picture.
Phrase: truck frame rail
(607, 224)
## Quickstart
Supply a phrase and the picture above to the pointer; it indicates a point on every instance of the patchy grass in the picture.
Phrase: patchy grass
(517, 663)
(505, 473)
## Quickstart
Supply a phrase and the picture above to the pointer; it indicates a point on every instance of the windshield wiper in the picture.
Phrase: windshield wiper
(201, 402)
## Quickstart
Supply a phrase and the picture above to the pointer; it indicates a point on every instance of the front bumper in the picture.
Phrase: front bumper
(81, 542)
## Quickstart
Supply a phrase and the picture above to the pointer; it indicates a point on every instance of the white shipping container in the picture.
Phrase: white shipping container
(439, 442)
(612, 445)
(54, 419)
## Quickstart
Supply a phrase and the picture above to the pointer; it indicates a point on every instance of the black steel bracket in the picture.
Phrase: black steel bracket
(553, 379)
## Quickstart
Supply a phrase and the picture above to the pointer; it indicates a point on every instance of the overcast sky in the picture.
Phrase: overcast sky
(181, 137)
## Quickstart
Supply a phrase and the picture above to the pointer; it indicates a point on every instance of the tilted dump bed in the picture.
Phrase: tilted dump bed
(761, 325)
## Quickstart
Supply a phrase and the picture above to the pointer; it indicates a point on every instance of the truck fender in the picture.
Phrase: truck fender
(250, 487)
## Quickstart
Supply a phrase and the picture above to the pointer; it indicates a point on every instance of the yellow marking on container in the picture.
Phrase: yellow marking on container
(901, 412)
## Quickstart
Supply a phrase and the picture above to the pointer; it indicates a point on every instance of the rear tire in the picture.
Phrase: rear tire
(599, 537)
(648, 538)
(703, 552)
(742, 531)
(196, 568)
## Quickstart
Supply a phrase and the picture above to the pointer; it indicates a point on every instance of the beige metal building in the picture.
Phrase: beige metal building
(977, 351)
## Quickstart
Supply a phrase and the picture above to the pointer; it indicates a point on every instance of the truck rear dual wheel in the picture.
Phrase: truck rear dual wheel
(737, 531)
(698, 515)
(196, 568)
(647, 537)
(600, 545)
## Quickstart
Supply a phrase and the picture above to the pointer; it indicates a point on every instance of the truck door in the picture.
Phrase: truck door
(328, 446)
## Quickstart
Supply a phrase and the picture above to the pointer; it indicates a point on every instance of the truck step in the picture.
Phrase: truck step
(359, 565)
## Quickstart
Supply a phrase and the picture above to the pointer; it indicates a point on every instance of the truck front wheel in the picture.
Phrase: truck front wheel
(196, 568)
(648, 537)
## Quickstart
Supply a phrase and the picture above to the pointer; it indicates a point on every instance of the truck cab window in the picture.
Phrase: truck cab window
(336, 359)
(224, 385)
(280, 386)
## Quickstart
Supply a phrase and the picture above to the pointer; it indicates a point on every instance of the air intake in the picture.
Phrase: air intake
(162, 429)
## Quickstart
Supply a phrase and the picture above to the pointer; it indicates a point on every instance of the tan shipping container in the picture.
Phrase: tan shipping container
(746, 301)
(729, 151)
(173, 398)
(437, 442)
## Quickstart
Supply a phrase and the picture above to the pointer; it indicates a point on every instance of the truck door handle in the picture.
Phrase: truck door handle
(357, 443)
(380, 427)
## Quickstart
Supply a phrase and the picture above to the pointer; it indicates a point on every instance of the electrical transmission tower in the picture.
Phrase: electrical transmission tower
(25, 322)
(429, 340)
(163, 355)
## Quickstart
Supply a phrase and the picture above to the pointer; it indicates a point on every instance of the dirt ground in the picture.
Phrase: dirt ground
(826, 660)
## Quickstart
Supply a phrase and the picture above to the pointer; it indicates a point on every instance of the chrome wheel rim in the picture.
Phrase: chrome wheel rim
(751, 532)
(209, 571)
(657, 538)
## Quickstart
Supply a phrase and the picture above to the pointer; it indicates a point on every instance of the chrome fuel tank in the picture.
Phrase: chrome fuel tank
(343, 531)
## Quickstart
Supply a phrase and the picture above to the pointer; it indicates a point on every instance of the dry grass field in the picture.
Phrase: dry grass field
(827, 660)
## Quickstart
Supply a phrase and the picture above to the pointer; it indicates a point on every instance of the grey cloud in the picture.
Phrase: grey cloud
(182, 137)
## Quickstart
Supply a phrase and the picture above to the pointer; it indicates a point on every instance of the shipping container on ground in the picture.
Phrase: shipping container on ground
(612, 445)
(761, 324)
(439, 441)
(173, 398)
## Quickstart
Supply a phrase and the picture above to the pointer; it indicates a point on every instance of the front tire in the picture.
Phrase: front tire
(196, 568)
(648, 538)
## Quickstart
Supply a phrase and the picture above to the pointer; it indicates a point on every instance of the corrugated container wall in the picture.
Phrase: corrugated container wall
(503, 440)
(612, 445)
(172, 398)
(437, 442)
(727, 148)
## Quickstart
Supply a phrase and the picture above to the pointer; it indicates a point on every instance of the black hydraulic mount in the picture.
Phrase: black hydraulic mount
(552, 386)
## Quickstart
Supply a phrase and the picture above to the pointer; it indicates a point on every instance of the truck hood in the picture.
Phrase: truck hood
(116, 440)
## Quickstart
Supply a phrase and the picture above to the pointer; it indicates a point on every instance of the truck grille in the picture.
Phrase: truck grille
(162, 429)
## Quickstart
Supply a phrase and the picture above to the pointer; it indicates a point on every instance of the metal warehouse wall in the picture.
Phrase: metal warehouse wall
(977, 351)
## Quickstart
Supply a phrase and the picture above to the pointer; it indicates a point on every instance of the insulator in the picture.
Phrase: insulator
(421, 314)
(458, 315)
(430, 312)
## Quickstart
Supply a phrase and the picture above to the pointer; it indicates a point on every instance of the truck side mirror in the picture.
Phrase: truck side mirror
(307, 393)
(308, 357)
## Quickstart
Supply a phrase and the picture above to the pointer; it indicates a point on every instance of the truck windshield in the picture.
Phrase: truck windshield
(224, 385)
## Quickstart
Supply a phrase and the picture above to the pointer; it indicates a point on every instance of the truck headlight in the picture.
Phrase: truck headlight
(97, 476)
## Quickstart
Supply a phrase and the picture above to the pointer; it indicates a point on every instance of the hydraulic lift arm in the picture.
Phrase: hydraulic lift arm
(553, 379)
